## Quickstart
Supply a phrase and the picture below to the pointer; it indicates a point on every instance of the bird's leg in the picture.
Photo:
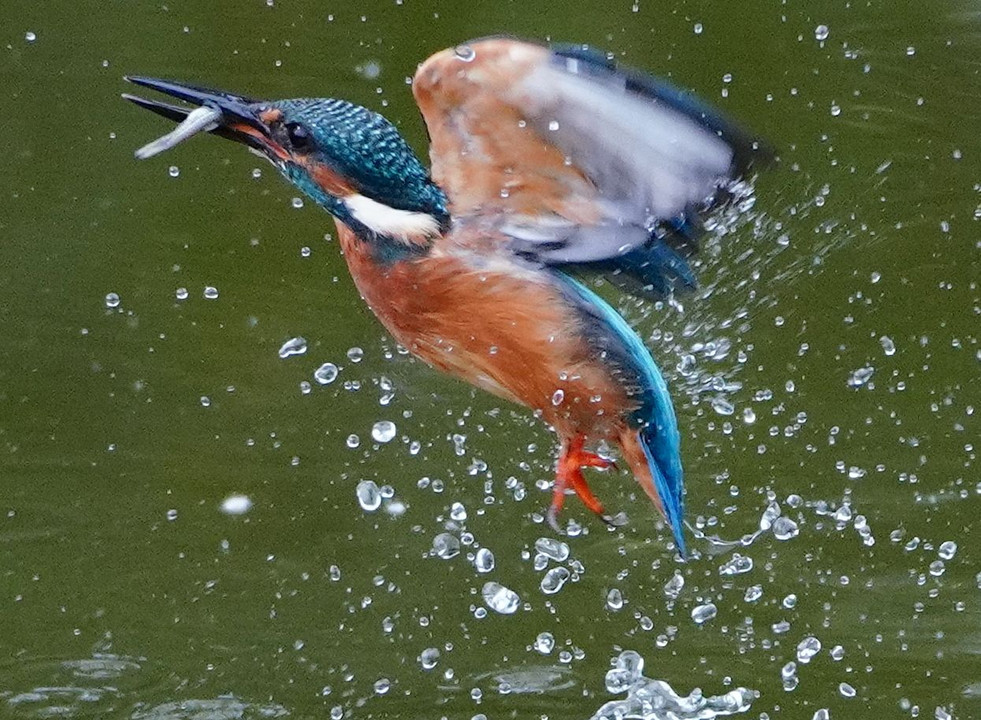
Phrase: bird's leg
(569, 475)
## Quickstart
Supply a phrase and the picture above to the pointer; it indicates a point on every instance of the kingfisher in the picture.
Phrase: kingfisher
(549, 165)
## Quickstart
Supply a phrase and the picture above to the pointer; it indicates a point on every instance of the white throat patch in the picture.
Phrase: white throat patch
(389, 221)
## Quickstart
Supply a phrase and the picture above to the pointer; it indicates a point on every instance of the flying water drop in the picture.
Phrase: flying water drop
(553, 549)
(383, 431)
(326, 373)
(369, 496)
(293, 346)
(554, 580)
(500, 599)
(703, 613)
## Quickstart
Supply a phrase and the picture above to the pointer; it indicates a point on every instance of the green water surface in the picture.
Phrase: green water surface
(125, 591)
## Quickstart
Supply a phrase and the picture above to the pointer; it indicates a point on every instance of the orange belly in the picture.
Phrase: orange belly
(503, 328)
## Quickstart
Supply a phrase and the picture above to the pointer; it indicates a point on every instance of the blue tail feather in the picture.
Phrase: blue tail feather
(661, 448)
(654, 418)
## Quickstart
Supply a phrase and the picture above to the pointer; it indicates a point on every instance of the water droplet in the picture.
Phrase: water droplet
(553, 549)
(205, 401)
(382, 686)
(352, 441)
(171, 515)
(293, 346)
(837, 653)
(30, 36)
(821, 32)
(846, 690)
(784, 528)
(859, 377)
(703, 613)
(446, 546)
(297, 202)
(369, 497)
(698, 28)
(753, 593)
(173, 171)
(807, 649)
(458, 512)
(383, 431)
(544, 643)
(771, 513)
(181, 293)
(554, 580)
(722, 406)
(112, 300)
(236, 504)
(500, 599)
(428, 658)
(355, 354)
(210, 292)
(673, 587)
(558, 396)
(737, 565)
(749, 416)
(614, 599)
(947, 550)
(483, 561)
(325, 374)
(553, 125)
(465, 53)
(835, 110)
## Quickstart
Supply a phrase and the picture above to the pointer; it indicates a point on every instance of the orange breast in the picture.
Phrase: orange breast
(495, 324)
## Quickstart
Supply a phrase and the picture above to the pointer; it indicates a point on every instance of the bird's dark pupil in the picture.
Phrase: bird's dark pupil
(299, 137)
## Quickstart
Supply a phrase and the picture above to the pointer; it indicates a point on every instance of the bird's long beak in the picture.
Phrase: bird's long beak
(231, 116)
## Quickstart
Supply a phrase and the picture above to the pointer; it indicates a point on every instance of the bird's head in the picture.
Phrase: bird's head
(350, 160)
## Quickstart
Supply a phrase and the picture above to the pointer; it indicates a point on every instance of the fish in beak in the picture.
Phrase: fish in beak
(231, 116)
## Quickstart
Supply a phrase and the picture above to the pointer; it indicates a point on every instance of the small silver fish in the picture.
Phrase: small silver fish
(200, 119)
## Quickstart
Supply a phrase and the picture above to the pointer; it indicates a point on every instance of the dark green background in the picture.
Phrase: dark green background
(868, 227)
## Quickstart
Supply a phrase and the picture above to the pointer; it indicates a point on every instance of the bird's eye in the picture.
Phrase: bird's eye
(299, 136)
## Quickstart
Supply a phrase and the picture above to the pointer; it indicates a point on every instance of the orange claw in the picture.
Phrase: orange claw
(569, 474)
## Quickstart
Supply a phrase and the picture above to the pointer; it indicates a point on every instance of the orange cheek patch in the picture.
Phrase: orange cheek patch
(251, 131)
(271, 116)
(329, 181)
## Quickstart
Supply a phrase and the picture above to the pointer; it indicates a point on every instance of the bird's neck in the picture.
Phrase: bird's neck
(397, 226)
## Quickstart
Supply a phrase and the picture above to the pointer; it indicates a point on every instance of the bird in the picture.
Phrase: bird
(550, 166)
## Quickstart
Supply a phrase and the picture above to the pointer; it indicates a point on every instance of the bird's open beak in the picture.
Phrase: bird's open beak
(231, 116)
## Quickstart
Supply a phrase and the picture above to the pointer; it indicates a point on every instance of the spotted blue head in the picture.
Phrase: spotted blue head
(347, 158)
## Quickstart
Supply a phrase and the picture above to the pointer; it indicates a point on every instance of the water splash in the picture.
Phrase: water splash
(223, 706)
(500, 599)
(649, 699)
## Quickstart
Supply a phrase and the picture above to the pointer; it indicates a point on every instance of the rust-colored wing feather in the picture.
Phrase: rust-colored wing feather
(575, 160)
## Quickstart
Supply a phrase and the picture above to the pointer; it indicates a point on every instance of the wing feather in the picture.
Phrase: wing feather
(578, 161)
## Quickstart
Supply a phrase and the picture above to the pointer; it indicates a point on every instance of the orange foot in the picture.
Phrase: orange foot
(569, 474)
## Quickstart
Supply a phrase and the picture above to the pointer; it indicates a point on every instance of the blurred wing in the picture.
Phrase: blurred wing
(575, 160)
